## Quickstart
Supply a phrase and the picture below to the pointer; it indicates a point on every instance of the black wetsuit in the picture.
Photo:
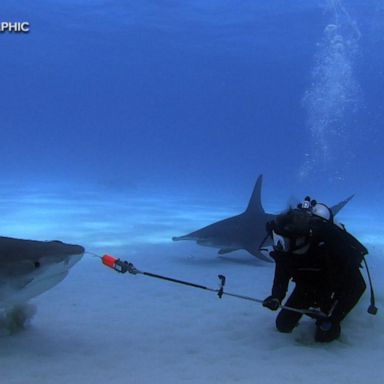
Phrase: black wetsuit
(327, 275)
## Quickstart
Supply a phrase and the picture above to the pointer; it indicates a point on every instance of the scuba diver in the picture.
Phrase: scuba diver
(323, 260)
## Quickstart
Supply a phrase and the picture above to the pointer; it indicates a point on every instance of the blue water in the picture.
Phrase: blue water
(173, 100)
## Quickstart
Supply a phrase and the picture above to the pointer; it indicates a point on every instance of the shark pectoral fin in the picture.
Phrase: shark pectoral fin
(177, 238)
(223, 251)
(255, 251)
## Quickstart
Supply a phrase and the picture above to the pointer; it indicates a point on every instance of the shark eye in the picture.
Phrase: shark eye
(36, 264)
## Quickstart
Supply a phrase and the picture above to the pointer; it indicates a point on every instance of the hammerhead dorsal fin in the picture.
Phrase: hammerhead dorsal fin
(254, 205)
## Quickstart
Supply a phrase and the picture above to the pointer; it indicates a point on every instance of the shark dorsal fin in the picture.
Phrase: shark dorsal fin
(254, 205)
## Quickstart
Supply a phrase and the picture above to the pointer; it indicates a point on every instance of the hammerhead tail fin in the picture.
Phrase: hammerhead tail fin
(336, 208)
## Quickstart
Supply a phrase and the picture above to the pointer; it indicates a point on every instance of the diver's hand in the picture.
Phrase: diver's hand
(272, 303)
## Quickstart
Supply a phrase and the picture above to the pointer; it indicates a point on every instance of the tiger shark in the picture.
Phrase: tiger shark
(29, 268)
(244, 231)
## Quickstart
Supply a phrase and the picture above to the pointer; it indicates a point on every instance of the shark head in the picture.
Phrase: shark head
(244, 231)
(29, 268)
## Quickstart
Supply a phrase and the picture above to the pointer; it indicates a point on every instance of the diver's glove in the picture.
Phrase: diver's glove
(272, 303)
(327, 330)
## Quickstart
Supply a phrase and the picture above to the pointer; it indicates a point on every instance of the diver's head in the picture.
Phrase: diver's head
(317, 209)
(321, 210)
(291, 231)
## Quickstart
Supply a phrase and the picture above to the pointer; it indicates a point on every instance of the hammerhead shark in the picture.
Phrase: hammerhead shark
(244, 231)
(29, 268)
